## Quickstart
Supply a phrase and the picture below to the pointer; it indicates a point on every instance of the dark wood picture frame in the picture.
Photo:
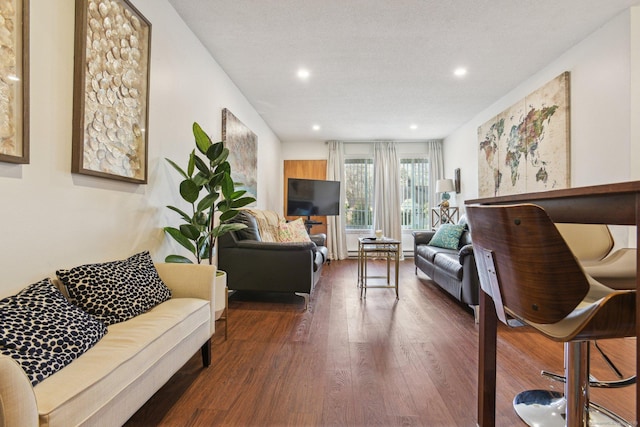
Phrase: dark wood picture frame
(111, 91)
(14, 139)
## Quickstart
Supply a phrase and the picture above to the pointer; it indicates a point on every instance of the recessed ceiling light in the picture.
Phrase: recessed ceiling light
(413, 127)
(303, 74)
(315, 127)
(460, 71)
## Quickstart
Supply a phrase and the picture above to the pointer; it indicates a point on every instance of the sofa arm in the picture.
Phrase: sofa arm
(191, 281)
(17, 400)
(319, 239)
(422, 237)
(465, 251)
(470, 281)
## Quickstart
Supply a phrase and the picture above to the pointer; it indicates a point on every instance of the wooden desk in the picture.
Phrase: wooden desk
(617, 204)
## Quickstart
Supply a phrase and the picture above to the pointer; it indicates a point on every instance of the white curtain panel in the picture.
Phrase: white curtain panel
(336, 225)
(436, 169)
(387, 194)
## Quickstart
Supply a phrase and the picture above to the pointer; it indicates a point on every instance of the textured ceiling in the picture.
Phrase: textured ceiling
(378, 66)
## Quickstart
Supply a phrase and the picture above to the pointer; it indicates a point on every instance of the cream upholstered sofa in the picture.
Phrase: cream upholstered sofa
(113, 379)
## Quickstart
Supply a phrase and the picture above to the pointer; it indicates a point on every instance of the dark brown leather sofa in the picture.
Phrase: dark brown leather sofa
(453, 270)
(255, 265)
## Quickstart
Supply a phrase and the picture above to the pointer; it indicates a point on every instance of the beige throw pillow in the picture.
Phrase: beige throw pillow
(293, 231)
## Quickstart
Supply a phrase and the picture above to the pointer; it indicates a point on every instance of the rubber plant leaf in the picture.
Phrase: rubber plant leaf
(214, 152)
(178, 259)
(178, 168)
(182, 213)
(190, 231)
(189, 190)
(180, 238)
(202, 166)
(244, 201)
(227, 215)
(206, 202)
(202, 139)
(192, 161)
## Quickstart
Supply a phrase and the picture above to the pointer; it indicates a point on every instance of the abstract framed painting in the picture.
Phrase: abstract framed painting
(14, 81)
(526, 148)
(111, 91)
(243, 152)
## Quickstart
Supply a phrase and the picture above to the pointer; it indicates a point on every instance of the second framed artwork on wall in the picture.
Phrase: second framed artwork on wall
(111, 90)
(243, 152)
(14, 81)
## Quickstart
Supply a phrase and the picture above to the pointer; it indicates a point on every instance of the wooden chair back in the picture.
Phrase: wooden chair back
(524, 263)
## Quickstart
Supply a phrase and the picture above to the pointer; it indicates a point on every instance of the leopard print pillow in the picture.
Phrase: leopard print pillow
(43, 332)
(118, 290)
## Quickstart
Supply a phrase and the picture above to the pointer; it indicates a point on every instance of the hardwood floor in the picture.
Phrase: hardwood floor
(352, 362)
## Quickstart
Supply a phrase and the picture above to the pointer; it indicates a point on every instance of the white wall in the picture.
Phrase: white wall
(634, 158)
(53, 219)
(604, 71)
(600, 111)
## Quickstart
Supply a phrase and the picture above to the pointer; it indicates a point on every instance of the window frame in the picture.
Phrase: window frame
(425, 222)
(368, 159)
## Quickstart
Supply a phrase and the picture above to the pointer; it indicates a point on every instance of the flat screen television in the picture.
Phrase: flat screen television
(307, 197)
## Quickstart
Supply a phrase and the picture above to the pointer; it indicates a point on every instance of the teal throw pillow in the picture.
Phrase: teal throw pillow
(447, 236)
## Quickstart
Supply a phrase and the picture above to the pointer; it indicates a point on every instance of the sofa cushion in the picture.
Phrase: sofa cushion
(293, 231)
(108, 378)
(465, 238)
(449, 263)
(249, 233)
(428, 252)
(43, 331)
(118, 290)
(447, 236)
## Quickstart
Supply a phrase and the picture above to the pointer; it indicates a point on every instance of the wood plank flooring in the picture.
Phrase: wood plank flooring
(352, 362)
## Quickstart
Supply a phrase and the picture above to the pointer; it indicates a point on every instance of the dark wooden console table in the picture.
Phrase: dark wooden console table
(615, 204)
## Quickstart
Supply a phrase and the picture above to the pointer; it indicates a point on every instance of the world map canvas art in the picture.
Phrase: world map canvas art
(526, 148)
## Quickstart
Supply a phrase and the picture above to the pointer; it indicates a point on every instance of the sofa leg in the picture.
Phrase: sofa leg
(206, 353)
(476, 313)
(306, 299)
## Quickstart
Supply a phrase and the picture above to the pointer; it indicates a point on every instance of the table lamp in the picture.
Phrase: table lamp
(444, 186)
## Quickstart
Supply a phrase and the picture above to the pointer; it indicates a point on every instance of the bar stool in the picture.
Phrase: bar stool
(527, 268)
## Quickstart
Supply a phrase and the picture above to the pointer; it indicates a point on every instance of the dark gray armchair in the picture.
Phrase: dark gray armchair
(254, 265)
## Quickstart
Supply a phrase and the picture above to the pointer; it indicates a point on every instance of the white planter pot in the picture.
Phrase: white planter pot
(221, 294)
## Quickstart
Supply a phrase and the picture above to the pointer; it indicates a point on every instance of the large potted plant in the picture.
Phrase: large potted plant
(209, 189)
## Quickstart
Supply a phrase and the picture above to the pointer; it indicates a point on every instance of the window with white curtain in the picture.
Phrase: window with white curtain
(359, 193)
(414, 178)
(414, 181)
